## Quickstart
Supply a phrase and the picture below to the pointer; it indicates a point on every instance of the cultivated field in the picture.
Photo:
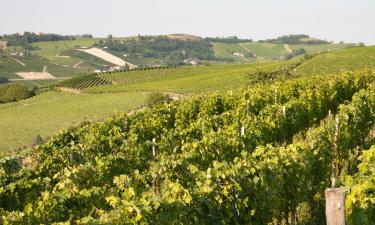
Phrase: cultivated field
(50, 112)
(339, 61)
(52, 50)
(60, 110)
(199, 79)
(9, 67)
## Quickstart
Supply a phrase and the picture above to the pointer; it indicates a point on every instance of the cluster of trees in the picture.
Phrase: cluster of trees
(296, 39)
(284, 72)
(14, 93)
(173, 51)
(295, 52)
(3, 80)
(229, 40)
(27, 38)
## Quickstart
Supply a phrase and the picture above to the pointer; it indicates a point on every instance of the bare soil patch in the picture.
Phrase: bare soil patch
(36, 76)
(106, 56)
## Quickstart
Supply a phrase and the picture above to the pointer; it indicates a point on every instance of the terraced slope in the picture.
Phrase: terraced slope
(82, 82)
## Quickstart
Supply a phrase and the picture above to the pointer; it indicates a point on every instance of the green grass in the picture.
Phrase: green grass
(51, 49)
(50, 112)
(339, 61)
(9, 67)
(226, 50)
(198, 79)
(266, 50)
(313, 49)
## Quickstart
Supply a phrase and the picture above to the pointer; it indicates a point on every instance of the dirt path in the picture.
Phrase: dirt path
(69, 90)
(288, 48)
(36, 76)
(77, 64)
(23, 64)
(106, 56)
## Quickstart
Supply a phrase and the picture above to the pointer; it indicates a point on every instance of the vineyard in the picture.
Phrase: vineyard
(260, 155)
(82, 82)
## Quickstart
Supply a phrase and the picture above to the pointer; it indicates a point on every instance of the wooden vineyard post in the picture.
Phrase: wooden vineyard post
(247, 107)
(154, 154)
(335, 206)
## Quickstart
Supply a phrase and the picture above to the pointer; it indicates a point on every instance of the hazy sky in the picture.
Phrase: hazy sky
(348, 20)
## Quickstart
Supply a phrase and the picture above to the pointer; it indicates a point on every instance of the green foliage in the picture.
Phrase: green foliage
(282, 73)
(240, 158)
(14, 93)
(82, 82)
(231, 40)
(361, 196)
(161, 47)
(339, 61)
(156, 98)
(296, 39)
(29, 37)
(3, 80)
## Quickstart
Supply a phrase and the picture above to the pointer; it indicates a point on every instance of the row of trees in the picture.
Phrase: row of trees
(229, 40)
(296, 39)
(15, 92)
(29, 37)
(174, 51)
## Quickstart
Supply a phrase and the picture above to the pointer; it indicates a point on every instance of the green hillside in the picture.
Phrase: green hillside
(234, 158)
(10, 65)
(53, 50)
(337, 61)
(267, 51)
(199, 79)
(225, 51)
(50, 112)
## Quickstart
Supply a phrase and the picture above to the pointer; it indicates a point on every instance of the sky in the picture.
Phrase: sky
(334, 20)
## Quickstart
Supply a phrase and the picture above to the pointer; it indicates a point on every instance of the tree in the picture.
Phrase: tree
(109, 39)
(38, 140)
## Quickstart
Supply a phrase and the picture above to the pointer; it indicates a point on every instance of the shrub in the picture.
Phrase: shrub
(15, 92)
(156, 98)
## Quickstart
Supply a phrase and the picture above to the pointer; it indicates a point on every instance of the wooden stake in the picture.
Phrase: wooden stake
(335, 153)
(335, 206)
(153, 147)
(248, 107)
(154, 154)
(242, 131)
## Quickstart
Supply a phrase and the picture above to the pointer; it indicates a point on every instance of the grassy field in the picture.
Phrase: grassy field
(50, 112)
(51, 49)
(10, 65)
(198, 79)
(225, 51)
(266, 50)
(339, 61)
(313, 49)
(53, 111)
